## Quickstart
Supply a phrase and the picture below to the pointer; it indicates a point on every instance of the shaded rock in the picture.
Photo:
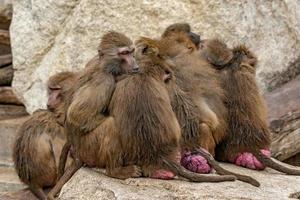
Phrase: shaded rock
(12, 111)
(8, 130)
(7, 96)
(89, 184)
(51, 36)
(6, 75)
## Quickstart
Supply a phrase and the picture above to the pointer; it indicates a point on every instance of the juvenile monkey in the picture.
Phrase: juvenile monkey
(248, 141)
(40, 139)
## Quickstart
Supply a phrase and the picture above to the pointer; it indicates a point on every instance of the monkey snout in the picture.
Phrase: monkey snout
(195, 38)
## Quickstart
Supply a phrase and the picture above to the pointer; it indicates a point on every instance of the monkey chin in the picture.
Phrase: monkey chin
(248, 160)
(195, 163)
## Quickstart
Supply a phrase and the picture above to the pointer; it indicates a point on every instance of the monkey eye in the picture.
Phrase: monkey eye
(125, 52)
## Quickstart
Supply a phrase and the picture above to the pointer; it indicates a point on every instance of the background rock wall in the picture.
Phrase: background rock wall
(49, 36)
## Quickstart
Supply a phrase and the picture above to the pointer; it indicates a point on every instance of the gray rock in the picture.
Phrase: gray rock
(90, 184)
(52, 36)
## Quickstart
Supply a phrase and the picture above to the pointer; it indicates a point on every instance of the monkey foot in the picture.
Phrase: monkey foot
(248, 160)
(195, 163)
(163, 174)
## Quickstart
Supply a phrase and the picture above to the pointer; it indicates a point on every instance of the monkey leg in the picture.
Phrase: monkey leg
(195, 162)
(220, 170)
(38, 191)
(130, 171)
(74, 167)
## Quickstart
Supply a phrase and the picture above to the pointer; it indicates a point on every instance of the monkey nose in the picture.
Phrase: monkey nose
(135, 68)
(195, 38)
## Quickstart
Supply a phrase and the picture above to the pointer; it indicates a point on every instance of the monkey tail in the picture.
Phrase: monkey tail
(220, 170)
(181, 171)
(277, 165)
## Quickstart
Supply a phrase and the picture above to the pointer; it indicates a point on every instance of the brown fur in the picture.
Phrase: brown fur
(198, 99)
(40, 141)
(247, 116)
(147, 127)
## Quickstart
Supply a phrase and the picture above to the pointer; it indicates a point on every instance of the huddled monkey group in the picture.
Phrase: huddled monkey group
(159, 108)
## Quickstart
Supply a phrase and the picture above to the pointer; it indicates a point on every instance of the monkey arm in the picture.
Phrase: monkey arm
(89, 104)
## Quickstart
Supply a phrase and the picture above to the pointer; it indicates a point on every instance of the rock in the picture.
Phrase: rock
(7, 96)
(90, 184)
(5, 13)
(5, 60)
(284, 117)
(51, 36)
(9, 180)
(6, 75)
(4, 37)
(8, 130)
(12, 111)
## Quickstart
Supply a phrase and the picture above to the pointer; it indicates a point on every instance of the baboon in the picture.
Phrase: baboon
(40, 138)
(88, 122)
(248, 140)
(198, 101)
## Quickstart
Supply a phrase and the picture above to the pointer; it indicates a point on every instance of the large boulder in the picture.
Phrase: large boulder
(51, 36)
(89, 184)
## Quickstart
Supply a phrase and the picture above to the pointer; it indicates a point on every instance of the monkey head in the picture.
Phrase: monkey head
(215, 52)
(117, 53)
(183, 28)
(151, 61)
(58, 87)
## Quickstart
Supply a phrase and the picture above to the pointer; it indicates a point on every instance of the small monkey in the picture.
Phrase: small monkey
(248, 141)
(40, 138)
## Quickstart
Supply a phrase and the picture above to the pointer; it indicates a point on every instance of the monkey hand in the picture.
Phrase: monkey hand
(195, 163)
(163, 174)
(248, 160)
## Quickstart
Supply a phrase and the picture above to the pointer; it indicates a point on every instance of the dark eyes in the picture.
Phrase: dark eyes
(125, 52)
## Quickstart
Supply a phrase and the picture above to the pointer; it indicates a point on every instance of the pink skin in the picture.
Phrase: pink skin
(195, 163)
(163, 174)
(248, 160)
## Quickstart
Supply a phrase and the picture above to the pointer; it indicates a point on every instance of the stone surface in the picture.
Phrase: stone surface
(6, 75)
(50, 36)
(8, 130)
(89, 184)
(9, 180)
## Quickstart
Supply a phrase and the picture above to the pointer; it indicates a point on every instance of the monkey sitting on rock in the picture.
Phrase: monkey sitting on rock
(41, 138)
(248, 140)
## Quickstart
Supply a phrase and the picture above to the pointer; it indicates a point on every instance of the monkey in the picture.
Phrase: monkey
(199, 97)
(90, 128)
(248, 141)
(198, 102)
(41, 137)
(148, 129)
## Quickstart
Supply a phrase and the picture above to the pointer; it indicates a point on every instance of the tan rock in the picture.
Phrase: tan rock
(90, 184)
(51, 36)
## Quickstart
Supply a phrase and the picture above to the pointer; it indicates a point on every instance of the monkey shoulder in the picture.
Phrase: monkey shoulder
(41, 121)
